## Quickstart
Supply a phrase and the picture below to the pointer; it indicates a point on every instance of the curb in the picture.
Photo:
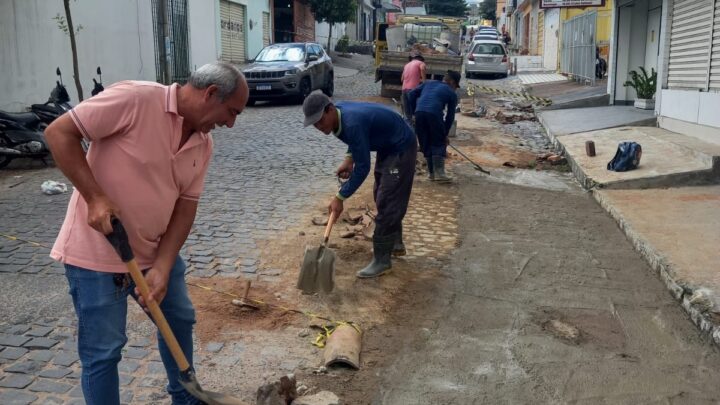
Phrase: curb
(680, 291)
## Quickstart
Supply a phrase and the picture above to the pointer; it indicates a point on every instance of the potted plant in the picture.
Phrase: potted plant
(645, 86)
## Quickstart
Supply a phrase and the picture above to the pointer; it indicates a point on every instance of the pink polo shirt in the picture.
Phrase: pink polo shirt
(135, 131)
(411, 74)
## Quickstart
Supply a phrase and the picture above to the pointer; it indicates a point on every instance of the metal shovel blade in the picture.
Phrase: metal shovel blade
(318, 270)
(190, 383)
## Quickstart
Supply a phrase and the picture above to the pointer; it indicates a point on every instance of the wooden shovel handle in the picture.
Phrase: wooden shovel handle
(329, 226)
(119, 241)
(158, 316)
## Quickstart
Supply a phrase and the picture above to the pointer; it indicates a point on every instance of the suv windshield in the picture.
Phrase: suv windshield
(489, 49)
(295, 53)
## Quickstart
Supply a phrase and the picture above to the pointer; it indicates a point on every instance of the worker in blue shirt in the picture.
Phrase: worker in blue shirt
(428, 101)
(367, 127)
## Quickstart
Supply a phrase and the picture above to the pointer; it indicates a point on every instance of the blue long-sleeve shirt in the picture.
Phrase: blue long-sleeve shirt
(432, 96)
(367, 127)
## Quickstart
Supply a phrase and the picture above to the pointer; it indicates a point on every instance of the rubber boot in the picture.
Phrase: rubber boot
(382, 248)
(399, 245)
(431, 171)
(439, 168)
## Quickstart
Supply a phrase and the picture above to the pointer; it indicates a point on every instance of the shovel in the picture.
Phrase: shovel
(477, 166)
(119, 240)
(318, 268)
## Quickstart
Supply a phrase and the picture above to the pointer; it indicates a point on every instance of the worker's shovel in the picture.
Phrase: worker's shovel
(119, 241)
(318, 268)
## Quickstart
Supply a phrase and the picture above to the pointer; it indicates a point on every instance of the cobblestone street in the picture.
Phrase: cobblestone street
(265, 172)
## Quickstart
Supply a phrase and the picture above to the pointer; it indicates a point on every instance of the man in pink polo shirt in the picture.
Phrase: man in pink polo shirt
(413, 74)
(147, 163)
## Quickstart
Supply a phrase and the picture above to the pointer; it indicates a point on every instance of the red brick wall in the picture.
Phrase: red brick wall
(304, 22)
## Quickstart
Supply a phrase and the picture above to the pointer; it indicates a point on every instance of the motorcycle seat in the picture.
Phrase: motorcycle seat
(26, 118)
(47, 108)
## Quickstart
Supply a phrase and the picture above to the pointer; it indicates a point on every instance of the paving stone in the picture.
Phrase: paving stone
(214, 347)
(19, 381)
(13, 340)
(201, 259)
(39, 331)
(11, 268)
(15, 397)
(126, 397)
(50, 386)
(53, 401)
(155, 367)
(141, 342)
(12, 353)
(25, 367)
(128, 366)
(40, 343)
(55, 373)
(65, 359)
(76, 392)
(76, 402)
(152, 382)
(75, 375)
(126, 379)
(135, 353)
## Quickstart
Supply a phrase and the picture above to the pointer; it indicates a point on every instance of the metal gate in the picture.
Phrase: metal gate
(577, 57)
(232, 31)
(170, 30)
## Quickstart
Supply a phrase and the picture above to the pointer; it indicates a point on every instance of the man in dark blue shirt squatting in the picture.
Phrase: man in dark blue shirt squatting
(428, 102)
(367, 127)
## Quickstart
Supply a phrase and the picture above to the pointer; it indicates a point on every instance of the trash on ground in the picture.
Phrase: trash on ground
(51, 187)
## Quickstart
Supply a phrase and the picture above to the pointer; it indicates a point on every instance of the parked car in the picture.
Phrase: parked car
(488, 56)
(289, 70)
(486, 36)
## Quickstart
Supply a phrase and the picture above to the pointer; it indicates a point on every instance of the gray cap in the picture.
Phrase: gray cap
(314, 106)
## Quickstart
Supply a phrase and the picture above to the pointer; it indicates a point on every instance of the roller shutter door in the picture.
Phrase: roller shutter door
(232, 31)
(266, 29)
(691, 33)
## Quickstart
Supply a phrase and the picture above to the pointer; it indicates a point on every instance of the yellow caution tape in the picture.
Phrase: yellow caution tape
(472, 88)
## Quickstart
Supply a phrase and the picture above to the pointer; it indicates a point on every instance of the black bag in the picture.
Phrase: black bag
(626, 158)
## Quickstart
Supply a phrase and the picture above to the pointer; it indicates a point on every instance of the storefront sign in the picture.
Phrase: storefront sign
(571, 3)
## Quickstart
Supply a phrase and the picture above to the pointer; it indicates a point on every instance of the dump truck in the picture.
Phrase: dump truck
(437, 38)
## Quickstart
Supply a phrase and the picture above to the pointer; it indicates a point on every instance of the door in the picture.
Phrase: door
(232, 32)
(652, 44)
(266, 29)
(550, 38)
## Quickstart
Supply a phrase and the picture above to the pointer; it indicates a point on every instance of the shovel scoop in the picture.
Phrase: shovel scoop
(318, 267)
(119, 241)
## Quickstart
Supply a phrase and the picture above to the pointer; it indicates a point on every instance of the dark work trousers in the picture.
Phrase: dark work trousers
(393, 183)
(430, 130)
(407, 111)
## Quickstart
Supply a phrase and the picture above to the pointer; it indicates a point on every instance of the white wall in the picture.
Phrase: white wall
(551, 39)
(204, 35)
(116, 35)
(323, 29)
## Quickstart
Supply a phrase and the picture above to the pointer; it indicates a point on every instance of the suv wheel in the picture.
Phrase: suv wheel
(305, 88)
(330, 86)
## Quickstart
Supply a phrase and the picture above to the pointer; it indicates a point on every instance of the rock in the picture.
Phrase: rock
(280, 392)
(347, 234)
(556, 160)
(508, 164)
(302, 389)
(333, 245)
(321, 398)
(301, 233)
(321, 370)
(320, 221)
(304, 333)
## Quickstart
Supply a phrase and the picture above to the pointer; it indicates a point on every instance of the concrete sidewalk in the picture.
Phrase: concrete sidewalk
(676, 229)
(571, 94)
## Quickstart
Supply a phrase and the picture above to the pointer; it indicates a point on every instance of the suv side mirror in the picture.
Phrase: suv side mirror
(312, 58)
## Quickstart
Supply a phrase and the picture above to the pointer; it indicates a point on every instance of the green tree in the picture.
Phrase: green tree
(450, 8)
(65, 23)
(487, 9)
(333, 12)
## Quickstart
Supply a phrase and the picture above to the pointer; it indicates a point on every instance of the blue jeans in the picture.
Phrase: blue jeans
(100, 301)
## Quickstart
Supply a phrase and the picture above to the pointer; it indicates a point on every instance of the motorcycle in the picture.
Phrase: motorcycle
(16, 141)
(600, 65)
